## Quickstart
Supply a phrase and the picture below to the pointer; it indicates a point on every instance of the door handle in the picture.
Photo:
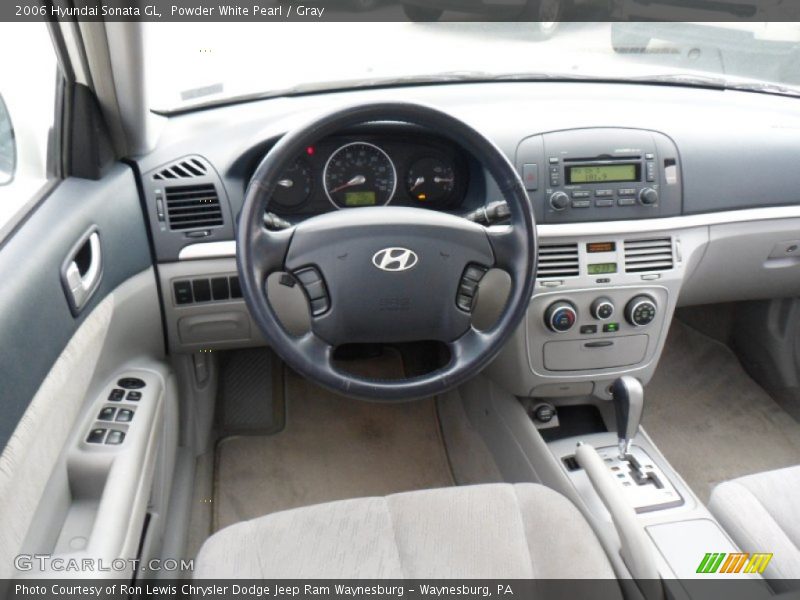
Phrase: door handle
(82, 270)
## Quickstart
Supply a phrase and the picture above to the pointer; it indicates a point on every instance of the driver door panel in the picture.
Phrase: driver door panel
(56, 362)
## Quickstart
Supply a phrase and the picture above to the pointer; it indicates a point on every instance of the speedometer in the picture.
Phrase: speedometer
(359, 174)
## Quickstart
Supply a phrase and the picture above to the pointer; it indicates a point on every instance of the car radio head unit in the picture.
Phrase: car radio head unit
(600, 174)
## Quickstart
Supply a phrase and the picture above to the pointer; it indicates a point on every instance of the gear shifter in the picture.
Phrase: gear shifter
(628, 396)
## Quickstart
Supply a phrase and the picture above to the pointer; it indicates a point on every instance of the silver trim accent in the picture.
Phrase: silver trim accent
(602, 228)
(637, 305)
(597, 310)
(406, 259)
(553, 314)
(335, 152)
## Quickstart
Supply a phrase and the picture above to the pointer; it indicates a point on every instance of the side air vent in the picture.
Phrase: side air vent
(186, 168)
(653, 254)
(557, 260)
(193, 207)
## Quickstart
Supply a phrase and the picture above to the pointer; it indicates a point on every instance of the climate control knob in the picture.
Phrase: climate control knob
(560, 316)
(641, 311)
(602, 309)
(559, 201)
(648, 197)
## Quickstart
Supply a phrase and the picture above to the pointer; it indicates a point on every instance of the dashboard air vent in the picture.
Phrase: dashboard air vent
(557, 260)
(193, 207)
(186, 168)
(654, 254)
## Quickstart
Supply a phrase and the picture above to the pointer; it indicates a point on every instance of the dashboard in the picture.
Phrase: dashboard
(646, 198)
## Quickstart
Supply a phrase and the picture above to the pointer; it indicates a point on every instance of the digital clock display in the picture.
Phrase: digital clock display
(602, 173)
(602, 268)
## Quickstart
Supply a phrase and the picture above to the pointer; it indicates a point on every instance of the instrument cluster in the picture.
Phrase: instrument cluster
(345, 172)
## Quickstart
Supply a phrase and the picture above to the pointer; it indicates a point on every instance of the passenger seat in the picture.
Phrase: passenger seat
(761, 512)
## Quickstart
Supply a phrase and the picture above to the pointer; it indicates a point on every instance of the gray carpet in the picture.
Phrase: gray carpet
(332, 448)
(710, 419)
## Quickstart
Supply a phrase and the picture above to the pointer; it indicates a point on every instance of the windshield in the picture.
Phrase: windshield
(199, 63)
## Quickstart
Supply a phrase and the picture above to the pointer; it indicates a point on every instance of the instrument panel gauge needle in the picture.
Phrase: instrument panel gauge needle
(357, 180)
(420, 181)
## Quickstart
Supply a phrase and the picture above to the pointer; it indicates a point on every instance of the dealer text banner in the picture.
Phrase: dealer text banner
(339, 10)
(318, 589)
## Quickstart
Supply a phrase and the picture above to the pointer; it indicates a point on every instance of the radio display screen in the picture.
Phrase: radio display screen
(602, 268)
(602, 173)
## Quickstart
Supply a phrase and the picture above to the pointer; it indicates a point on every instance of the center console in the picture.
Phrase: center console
(604, 294)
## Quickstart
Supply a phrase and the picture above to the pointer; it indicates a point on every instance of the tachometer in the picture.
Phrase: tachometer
(294, 186)
(431, 180)
(359, 174)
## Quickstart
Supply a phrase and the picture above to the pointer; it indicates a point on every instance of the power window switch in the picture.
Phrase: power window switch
(134, 396)
(125, 415)
(107, 414)
(115, 437)
(96, 436)
(116, 395)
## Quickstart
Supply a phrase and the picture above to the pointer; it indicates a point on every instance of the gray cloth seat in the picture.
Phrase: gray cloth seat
(484, 531)
(761, 512)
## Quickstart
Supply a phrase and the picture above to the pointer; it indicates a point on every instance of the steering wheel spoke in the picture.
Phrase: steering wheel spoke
(468, 346)
(269, 250)
(507, 247)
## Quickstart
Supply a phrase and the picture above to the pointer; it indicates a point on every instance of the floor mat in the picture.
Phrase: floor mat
(251, 392)
(710, 419)
(331, 448)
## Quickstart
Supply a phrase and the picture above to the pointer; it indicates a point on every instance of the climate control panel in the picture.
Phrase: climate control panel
(561, 316)
(595, 331)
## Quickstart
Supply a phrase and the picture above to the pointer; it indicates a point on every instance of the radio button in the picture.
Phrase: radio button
(581, 203)
(648, 197)
(626, 192)
(603, 193)
(626, 201)
(580, 194)
(604, 202)
(559, 201)
(554, 160)
(651, 171)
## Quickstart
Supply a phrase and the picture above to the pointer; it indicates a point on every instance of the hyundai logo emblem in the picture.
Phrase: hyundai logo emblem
(395, 259)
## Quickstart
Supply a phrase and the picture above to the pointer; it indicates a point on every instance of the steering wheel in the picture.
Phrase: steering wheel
(387, 274)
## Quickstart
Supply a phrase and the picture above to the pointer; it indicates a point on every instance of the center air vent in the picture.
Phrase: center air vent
(193, 207)
(653, 254)
(186, 168)
(557, 260)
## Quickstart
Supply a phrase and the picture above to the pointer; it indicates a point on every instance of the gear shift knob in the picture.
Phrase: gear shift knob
(628, 396)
